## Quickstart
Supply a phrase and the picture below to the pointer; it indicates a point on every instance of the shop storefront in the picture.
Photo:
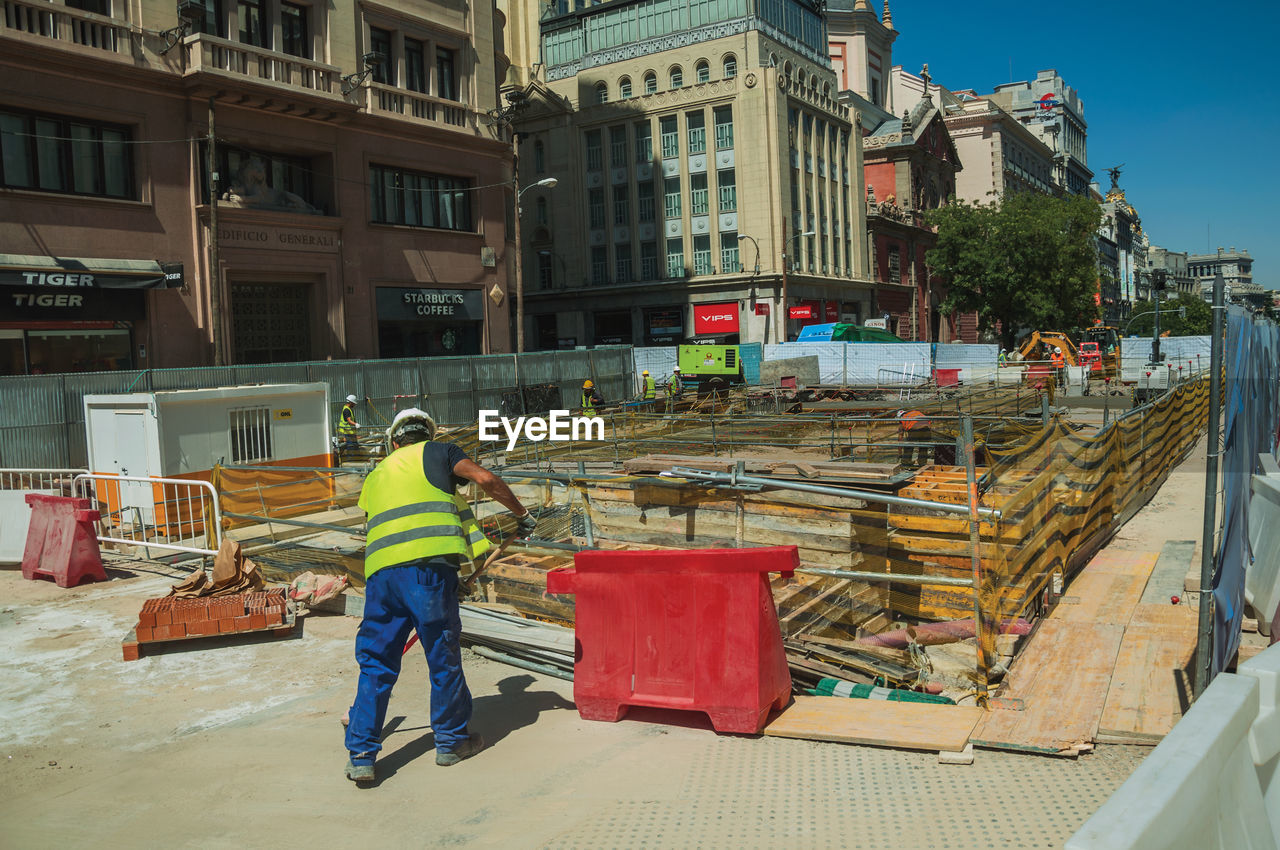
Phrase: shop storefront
(613, 328)
(414, 322)
(75, 315)
(716, 323)
(664, 326)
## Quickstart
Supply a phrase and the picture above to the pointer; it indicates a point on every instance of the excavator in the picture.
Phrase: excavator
(1038, 348)
(1100, 350)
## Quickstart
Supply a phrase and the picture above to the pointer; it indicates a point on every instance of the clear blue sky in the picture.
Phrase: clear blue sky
(1177, 91)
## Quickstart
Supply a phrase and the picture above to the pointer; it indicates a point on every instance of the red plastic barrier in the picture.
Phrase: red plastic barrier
(946, 377)
(694, 630)
(62, 543)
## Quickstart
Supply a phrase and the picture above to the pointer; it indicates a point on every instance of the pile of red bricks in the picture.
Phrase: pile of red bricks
(170, 617)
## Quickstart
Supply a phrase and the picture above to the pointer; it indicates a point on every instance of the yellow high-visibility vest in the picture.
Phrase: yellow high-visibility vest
(650, 388)
(346, 420)
(588, 402)
(410, 519)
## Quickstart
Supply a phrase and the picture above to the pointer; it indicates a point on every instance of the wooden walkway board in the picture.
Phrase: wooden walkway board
(907, 725)
(1150, 687)
(1100, 597)
(1062, 679)
(1124, 562)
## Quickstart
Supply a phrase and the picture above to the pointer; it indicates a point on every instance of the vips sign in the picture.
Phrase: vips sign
(461, 305)
(715, 319)
(802, 312)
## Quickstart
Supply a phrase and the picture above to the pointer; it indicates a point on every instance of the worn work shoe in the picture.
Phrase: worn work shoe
(465, 750)
(359, 772)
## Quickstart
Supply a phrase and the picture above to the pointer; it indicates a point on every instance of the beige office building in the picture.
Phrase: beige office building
(703, 168)
(362, 194)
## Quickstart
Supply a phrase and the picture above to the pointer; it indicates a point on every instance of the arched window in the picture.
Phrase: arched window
(786, 70)
(602, 92)
(650, 83)
(813, 82)
(624, 88)
(702, 72)
(539, 158)
(677, 77)
(730, 66)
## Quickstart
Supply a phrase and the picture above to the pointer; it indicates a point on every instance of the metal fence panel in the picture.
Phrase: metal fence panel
(495, 377)
(572, 368)
(33, 427)
(192, 379)
(447, 384)
(614, 370)
(389, 385)
(659, 360)
(537, 367)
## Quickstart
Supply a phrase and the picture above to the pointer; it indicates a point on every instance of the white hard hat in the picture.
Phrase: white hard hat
(411, 419)
(676, 369)
(353, 399)
(900, 413)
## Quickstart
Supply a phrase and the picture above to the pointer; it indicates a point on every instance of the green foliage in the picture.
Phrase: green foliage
(1197, 322)
(1025, 261)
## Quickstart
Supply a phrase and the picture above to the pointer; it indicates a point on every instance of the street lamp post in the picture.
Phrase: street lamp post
(742, 236)
(786, 310)
(547, 182)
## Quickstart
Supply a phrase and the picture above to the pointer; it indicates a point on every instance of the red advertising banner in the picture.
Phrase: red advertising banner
(762, 309)
(715, 318)
(804, 311)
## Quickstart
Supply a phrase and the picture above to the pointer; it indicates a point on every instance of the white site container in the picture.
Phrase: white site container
(185, 433)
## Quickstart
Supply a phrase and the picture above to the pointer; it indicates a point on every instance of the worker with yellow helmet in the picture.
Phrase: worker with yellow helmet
(650, 388)
(591, 398)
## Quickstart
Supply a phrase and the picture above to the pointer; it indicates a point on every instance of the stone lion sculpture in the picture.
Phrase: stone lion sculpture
(249, 189)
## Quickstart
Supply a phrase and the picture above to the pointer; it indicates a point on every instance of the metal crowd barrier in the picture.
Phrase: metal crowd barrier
(155, 512)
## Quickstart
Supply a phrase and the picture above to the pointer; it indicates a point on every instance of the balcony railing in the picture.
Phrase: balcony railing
(415, 105)
(207, 53)
(72, 26)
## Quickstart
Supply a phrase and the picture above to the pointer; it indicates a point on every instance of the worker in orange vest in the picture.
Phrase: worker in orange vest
(916, 435)
(1059, 366)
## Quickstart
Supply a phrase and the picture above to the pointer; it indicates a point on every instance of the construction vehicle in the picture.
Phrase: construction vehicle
(1102, 343)
(1039, 345)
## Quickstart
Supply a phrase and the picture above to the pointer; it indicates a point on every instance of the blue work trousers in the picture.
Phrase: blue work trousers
(398, 600)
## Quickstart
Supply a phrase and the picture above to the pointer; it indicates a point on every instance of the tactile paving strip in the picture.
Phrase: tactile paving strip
(781, 793)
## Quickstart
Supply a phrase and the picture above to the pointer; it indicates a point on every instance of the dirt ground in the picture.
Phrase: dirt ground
(235, 744)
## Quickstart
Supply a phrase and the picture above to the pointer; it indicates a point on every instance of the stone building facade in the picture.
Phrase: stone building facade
(361, 194)
(1054, 113)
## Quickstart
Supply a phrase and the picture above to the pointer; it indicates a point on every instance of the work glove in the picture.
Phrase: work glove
(525, 525)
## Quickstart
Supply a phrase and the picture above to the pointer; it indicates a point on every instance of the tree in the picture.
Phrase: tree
(1199, 317)
(1027, 260)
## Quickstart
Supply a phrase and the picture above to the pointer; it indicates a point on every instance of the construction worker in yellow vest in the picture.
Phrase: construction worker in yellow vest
(650, 387)
(420, 530)
(347, 425)
(591, 398)
(674, 386)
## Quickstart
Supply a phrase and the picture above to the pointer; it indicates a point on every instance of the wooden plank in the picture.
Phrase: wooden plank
(1101, 598)
(906, 725)
(1151, 685)
(1124, 562)
(1062, 677)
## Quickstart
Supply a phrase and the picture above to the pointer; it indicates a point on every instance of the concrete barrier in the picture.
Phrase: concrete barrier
(1211, 781)
(1262, 575)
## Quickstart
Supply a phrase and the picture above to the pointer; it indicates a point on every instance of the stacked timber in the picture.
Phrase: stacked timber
(775, 466)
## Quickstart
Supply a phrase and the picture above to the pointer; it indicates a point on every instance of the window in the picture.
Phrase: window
(415, 65)
(288, 173)
(696, 124)
(446, 78)
(214, 21)
(624, 88)
(98, 7)
(595, 204)
(602, 92)
(539, 157)
(728, 190)
(670, 141)
(595, 157)
(677, 77)
(545, 271)
(644, 198)
(730, 66)
(702, 255)
(895, 265)
(702, 72)
(648, 260)
(729, 252)
(420, 200)
(541, 211)
(250, 434)
(295, 35)
(622, 264)
(724, 127)
(253, 28)
(644, 142)
(599, 265)
(621, 206)
(384, 72)
(698, 194)
(675, 258)
(650, 83)
(51, 154)
(671, 197)
(618, 147)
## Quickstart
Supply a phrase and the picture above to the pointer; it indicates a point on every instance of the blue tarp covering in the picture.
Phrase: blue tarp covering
(816, 333)
(1249, 428)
